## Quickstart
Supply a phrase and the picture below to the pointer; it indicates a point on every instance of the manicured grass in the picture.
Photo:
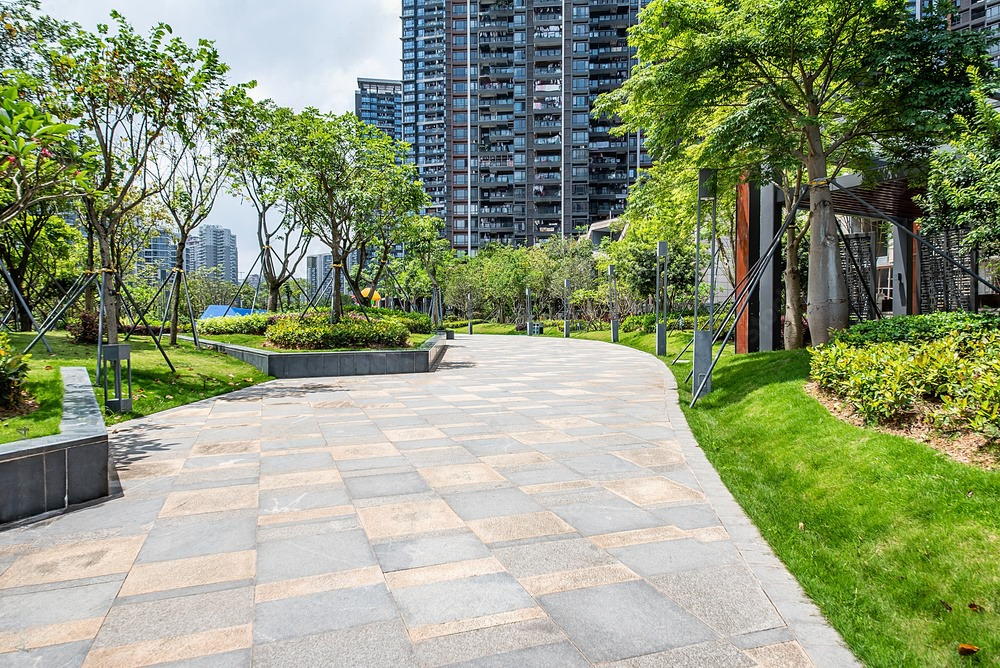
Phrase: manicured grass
(882, 532)
(257, 341)
(200, 374)
(45, 385)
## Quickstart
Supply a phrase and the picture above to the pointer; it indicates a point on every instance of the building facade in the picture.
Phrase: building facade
(215, 248)
(977, 15)
(317, 269)
(379, 102)
(161, 253)
(497, 101)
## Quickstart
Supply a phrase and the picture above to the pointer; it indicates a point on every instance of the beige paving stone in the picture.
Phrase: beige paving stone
(300, 479)
(650, 457)
(536, 437)
(190, 572)
(420, 633)
(368, 451)
(231, 448)
(568, 422)
(557, 486)
(52, 634)
(516, 527)
(177, 648)
(358, 577)
(216, 499)
(514, 459)
(415, 434)
(455, 475)
(780, 655)
(402, 519)
(550, 583)
(709, 534)
(304, 515)
(652, 491)
(161, 468)
(426, 575)
(73, 561)
(638, 537)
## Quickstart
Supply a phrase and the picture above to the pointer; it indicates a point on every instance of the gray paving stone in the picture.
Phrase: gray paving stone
(68, 655)
(717, 654)
(55, 606)
(541, 474)
(472, 645)
(695, 516)
(727, 598)
(302, 556)
(500, 445)
(492, 503)
(402, 554)
(624, 620)
(461, 599)
(317, 613)
(554, 556)
(234, 659)
(379, 645)
(198, 535)
(561, 654)
(440, 457)
(375, 465)
(673, 556)
(761, 638)
(369, 486)
(307, 461)
(300, 498)
(609, 515)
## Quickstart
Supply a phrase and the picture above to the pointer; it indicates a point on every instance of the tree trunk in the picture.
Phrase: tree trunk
(273, 295)
(793, 291)
(110, 303)
(88, 300)
(336, 306)
(827, 291)
(176, 306)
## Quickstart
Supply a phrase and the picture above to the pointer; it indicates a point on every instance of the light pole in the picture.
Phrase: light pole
(661, 298)
(613, 302)
(567, 314)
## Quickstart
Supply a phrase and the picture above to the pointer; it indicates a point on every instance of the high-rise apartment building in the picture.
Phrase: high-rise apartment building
(978, 15)
(161, 253)
(497, 101)
(318, 269)
(216, 247)
(380, 103)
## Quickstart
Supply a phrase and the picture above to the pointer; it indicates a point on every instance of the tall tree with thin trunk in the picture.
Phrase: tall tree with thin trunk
(821, 84)
(126, 91)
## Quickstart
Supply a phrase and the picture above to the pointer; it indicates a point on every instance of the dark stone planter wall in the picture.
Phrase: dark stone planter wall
(315, 365)
(41, 475)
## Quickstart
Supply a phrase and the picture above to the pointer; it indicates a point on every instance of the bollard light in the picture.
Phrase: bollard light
(114, 355)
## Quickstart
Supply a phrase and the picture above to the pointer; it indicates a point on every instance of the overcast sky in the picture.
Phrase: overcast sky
(300, 52)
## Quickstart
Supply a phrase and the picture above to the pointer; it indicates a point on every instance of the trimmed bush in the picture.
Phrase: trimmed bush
(914, 328)
(255, 323)
(317, 334)
(13, 371)
(952, 382)
(645, 323)
(83, 328)
(418, 323)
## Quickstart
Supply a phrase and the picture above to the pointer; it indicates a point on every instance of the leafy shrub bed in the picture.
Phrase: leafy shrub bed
(13, 371)
(913, 328)
(418, 323)
(951, 383)
(315, 333)
(257, 324)
(453, 323)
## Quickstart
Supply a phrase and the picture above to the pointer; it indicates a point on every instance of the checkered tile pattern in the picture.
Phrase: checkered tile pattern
(527, 504)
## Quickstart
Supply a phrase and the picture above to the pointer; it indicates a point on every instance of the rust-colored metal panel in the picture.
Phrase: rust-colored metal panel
(743, 259)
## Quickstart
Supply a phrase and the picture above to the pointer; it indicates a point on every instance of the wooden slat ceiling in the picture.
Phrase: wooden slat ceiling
(894, 198)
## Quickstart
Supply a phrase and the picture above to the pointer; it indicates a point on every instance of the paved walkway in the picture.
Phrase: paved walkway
(536, 502)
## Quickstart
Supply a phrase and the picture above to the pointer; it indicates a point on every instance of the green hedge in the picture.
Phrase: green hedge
(418, 323)
(13, 371)
(255, 324)
(952, 383)
(315, 333)
(914, 328)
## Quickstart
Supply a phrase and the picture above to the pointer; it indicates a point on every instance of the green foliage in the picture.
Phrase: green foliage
(914, 328)
(949, 381)
(13, 371)
(315, 333)
(255, 323)
(963, 186)
(83, 328)
(416, 323)
(645, 323)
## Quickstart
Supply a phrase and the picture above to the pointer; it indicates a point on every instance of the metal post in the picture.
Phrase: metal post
(567, 313)
(20, 298)
(527, 310)
(194, 323)
(613, 302)
(469, 309)
(661, 298)
(701, 367)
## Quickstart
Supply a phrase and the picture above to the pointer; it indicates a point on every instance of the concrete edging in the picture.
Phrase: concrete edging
(51, 473)
(332, 364)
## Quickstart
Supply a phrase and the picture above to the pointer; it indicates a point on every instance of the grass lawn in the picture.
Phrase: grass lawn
(199, 375)
(257, 341)
(891, 539)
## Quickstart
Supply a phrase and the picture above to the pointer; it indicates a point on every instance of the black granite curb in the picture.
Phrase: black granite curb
(51, 473)
(332, 364)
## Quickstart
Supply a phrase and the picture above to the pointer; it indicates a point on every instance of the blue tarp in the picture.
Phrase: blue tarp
(217, 310)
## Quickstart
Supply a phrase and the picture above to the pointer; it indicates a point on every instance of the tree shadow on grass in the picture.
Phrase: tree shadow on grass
(737, 376)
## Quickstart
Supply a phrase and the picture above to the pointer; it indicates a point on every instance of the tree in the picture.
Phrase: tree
(963, 186)
(338, 158)
(820, 84)
(259, 146)
(127, 91)
(425, 245)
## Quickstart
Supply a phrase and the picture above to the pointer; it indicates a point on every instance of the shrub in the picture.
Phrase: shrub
(952, 382)
(914, 328)
(418, 323)
(83, 328)
(13, 370)
(255, 323)
(314, 333)
(645, 323)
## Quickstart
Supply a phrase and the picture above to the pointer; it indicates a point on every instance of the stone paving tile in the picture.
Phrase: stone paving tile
(535, 502)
